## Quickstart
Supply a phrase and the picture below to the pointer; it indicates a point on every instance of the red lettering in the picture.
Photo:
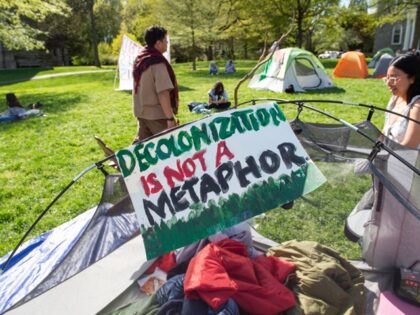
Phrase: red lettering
(200, 157)
(170, 173)
(151, 184)
(222, 150)
(188, 171)
(145, 185)
(156, 185)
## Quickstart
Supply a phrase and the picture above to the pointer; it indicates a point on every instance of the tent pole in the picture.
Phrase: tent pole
(378, 144)
(62, 192)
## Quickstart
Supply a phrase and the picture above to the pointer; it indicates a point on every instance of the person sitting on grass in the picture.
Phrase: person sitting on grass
(230, 66)
(16, 111)
(14, 106)
(218, 97)
(214, 68)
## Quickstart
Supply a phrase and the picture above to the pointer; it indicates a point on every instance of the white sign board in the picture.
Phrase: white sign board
(211, 174)
(128, 53)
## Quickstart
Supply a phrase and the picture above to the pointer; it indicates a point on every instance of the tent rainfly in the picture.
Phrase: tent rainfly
(378, 55)
(382, 66)
(291, 67)
(351, 65)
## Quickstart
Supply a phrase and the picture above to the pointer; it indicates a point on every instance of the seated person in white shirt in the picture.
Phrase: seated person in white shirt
(218, 97)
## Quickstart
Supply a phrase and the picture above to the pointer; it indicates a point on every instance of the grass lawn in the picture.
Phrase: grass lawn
(39, 156)
(27, 73)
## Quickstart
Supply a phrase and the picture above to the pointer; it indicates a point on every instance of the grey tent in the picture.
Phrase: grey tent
(386, 221)
(88, 265)
(382, 66)
(390, 237)
(390, 211)
(377, 56)
(64, 252)
(387, 218)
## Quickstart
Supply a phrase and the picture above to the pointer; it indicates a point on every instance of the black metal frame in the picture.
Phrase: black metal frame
(378, 145)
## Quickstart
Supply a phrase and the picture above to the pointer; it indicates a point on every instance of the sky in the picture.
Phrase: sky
(344, 2)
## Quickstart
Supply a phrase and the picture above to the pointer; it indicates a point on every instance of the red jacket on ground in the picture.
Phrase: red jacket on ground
(223, 270)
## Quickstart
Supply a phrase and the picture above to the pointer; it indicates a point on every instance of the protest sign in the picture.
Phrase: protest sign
(128, 53)
(213, 173)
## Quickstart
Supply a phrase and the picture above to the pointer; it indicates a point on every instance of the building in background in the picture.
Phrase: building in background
(53, 56)
(402, 35)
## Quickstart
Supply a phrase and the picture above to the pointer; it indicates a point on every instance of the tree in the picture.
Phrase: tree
(329, 35)
(359, 29)
(306, 14)
(360, 5)
(244, 26)
(137, 16)
(21, 22)
(105, 21)
(108, 16)
(90, 23)
(391, 12)
(266, 19)
(93, 33)
(185, 18)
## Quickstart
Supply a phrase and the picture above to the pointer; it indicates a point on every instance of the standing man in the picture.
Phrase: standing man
(155, 91)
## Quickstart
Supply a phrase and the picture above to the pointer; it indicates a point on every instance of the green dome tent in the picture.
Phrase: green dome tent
(291, 67)
(379, 53)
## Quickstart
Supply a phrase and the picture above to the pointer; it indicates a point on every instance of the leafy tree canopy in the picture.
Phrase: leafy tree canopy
(20, 21)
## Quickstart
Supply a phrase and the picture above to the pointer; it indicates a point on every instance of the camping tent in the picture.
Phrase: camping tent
(390, 211)
(352, 64)
(382, 66)
(377, 56)
(388, 215)
(100, 254)
(88, 265)
(50, 258)
(291, 67)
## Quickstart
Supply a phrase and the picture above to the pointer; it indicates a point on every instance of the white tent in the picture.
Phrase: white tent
(291, 67)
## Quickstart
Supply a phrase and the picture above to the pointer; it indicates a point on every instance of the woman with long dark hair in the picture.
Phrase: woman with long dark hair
(403, 80)
(218, 97)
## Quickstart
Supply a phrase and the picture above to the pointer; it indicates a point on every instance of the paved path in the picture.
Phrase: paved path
(53, 75)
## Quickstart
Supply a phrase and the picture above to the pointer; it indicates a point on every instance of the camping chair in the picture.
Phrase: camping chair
(108, 152)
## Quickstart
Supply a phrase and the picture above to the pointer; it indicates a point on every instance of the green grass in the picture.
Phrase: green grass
(28, 73)
(39, 156)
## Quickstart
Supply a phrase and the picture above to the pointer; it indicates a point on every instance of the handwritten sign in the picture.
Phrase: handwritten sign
(216, 172)
(128, 52)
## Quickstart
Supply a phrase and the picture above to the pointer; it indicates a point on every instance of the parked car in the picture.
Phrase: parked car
(330, 54)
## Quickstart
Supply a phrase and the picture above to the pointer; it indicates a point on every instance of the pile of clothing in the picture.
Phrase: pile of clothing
(225, 275)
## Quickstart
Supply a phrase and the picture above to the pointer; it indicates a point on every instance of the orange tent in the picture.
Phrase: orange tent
(352, 64)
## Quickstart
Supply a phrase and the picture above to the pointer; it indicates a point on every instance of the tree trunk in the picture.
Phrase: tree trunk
(192, 26)
(93, 34)
(3, 58)
(210, 53)
(232, 49)
(245, 49)
(309, 43)
(193, 49)
(299, 20)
